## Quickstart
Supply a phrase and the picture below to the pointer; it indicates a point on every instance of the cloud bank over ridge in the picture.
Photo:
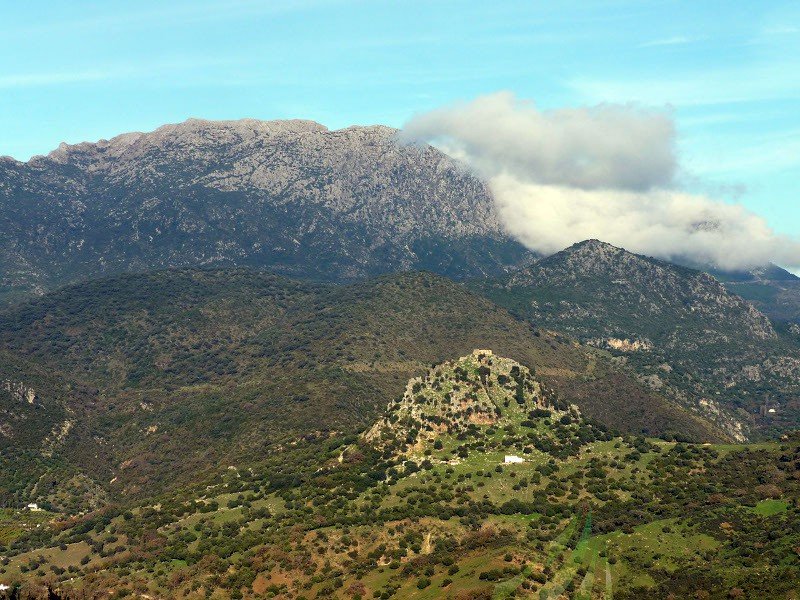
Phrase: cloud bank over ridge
(607, 172)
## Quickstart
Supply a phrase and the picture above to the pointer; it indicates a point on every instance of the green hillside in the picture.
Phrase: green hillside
(479, 481)
(177, 374)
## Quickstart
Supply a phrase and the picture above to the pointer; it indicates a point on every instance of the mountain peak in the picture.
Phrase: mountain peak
(595, 257)
(251, 127)
(192, 131)
(607, 277)
(594, 246)
(670, 317)
(290, 195)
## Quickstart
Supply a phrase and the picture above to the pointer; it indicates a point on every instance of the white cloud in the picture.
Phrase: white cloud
(608, 172)
(604, 146)
(663, 223)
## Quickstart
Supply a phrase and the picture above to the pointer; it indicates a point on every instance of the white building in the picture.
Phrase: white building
(512, 458)
(32, 506)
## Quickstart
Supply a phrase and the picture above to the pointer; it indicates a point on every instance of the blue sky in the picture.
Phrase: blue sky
(729, 71)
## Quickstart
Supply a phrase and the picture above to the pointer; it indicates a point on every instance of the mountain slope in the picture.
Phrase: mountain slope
(188, 370)
(290, 195)
(681, 330)
(477, 483)
(774, 291)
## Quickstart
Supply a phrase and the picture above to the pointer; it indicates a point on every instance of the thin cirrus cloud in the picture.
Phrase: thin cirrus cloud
(125, 72)
(756, 82)
(55, 78)
(677, 40)
(167, 15)
(607, 172)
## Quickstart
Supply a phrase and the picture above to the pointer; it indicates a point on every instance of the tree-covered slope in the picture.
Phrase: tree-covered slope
(188, 370)
(478, 482)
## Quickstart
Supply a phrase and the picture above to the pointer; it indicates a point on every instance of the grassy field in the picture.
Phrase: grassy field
(769, 508)
(14, 523)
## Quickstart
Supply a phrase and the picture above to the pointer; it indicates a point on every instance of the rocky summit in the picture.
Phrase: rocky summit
(600, 281)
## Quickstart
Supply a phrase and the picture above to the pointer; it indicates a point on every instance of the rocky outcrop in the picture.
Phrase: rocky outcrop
(478, 389)
(622, 345)
(19, 391)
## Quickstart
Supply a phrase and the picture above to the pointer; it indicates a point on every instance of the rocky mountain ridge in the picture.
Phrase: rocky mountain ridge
(289, 195)
(649, 286)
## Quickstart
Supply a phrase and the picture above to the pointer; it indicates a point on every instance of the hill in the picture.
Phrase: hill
(680, 330)
(457, 397)
(288, 195)
(477, 483)
(186, 371)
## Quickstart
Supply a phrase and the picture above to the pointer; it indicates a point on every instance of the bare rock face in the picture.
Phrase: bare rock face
(289, 195)
(19, 391)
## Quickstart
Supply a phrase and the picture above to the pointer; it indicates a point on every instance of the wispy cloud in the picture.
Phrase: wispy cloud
(677, 40)
(754, 63)
(55, 78)
(170, 13)
(769, 154)
(781, 30)
(753, 82)
(108, 73)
